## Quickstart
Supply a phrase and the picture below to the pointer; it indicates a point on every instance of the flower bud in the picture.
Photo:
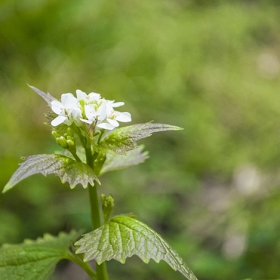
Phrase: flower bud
(70, 138)
(55, 134)
(70, 144)
(61, 141)
(107, 206)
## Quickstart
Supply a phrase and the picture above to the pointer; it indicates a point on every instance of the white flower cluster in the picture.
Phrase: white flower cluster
(88, 108)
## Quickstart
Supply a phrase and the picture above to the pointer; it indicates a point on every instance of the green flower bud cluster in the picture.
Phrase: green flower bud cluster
(65, 138)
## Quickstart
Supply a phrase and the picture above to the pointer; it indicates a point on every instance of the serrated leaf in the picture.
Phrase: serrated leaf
(67, 169)
(116, 162)
(46, 96)
(123, 237)
(124, 139)
(34, 259)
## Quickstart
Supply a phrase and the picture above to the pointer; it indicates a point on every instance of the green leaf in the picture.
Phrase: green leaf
(123, 237)
(46, 96)
(35, 259)
(66, 168)
(124, 139)
(115, 162)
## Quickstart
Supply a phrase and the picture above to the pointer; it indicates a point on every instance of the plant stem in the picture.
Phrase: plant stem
(101, 270)
(84, 265)
(75, 156)
(94, 206)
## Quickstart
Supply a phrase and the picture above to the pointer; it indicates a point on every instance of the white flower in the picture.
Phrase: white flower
(95, 112)
(87, 98)
(88, 108)
(67, 110)
(114, 116)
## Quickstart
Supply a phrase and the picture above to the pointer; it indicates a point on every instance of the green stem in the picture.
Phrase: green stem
(94, 206)
(84, 265)
(101, 270)
(75, 156)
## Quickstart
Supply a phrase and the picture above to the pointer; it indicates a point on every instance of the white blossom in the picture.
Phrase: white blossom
(114, 116)
(88, 108)
(67, 110)
(95, 112)
(87, 98)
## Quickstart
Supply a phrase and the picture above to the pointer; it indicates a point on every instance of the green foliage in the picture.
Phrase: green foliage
(124, 139)
(75, 171)
(35, 259)
(116, 162)
(212, 67)
(66, 168)
(124, 237)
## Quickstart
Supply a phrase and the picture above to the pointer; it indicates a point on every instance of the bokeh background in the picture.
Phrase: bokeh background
(211, 67)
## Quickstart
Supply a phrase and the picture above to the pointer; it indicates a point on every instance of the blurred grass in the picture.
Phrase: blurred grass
(212, 68)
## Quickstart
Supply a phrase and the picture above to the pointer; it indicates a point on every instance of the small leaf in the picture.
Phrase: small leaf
(124, 139)
(46, 96)
(35, 259)
(66, 168)
(115, 162)
(123, 237)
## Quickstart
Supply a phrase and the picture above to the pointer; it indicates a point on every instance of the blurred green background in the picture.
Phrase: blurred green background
(211, 67)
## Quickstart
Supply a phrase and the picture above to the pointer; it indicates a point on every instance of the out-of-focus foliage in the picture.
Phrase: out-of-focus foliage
(211, 67)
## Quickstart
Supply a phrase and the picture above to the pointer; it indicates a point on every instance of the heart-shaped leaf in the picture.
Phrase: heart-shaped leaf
(66, 168)
(123, 237)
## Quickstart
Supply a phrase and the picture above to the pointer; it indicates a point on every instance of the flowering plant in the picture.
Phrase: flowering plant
(90, 122)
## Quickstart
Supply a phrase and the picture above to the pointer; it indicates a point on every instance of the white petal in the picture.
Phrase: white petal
(106, 126)
(102, 112)
(80, 94)
(94, 96)
(86, 121)
(123, 117)
(113, 122)
(68, 100)
(90, 112)
(58, 120)
(117, 104)
(109, 109)
(57, 106)
(76, 113)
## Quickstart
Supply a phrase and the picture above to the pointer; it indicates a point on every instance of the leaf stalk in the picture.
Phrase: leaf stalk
(84, 265)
